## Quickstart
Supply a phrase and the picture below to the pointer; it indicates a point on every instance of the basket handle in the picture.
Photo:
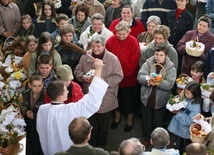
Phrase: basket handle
(183, 74)
(196, 39)
(157, 64)
(5, 42)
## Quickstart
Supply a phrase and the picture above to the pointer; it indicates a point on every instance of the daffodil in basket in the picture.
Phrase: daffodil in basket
(176, 103)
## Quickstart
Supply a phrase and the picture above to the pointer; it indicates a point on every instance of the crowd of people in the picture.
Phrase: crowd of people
(89, 59)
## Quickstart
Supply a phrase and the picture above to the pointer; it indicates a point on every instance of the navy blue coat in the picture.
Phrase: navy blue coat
(178, 27)
(153, 7)
(208, 59)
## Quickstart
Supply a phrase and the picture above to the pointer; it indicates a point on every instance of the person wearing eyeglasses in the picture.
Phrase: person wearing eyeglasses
(80, 133)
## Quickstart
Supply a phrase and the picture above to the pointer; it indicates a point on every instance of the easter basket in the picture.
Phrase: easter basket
(8, 42)
(155, 78)
(182, 80)
(206, 89)
(200, 135)
(175, 103)
(195, 48)
(12, 129)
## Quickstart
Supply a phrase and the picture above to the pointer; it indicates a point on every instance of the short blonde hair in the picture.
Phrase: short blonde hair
(122, 25)
(164, 30)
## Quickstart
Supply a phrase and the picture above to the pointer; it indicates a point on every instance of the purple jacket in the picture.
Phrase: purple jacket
(188, 61)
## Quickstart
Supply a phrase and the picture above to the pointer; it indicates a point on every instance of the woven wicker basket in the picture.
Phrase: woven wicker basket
(195, 51)
(152, 69)
(193, 137)
(182, 86)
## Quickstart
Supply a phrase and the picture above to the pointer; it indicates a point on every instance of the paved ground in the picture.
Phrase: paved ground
(116, 136)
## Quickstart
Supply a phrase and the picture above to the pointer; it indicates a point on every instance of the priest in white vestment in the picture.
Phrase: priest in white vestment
(53, 119)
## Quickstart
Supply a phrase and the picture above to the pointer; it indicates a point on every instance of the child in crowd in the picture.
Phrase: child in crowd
(32, 99)
(61, 19)
(44, 65)
(209, 141)
(45, 46)
(46, 22)
(31, 44)
(74, 90)
(197, 72)
(26, 29)
(181, 122)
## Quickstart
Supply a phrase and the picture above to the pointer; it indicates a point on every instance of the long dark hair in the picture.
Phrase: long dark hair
(195, 89)
(44, 38)
(53, 10)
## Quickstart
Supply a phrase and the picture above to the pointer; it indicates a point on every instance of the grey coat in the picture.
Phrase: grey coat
(172, 53)
(164, 89)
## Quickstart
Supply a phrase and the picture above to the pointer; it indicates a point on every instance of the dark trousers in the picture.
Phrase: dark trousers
(152, 119)
(33, 145)
(181, 144)
(99, 133)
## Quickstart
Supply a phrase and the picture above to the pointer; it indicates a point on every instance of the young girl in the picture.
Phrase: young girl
(31, 44)
(45, 46)
(46, 22)
(197, 72)
(181, 122)
(26, 30)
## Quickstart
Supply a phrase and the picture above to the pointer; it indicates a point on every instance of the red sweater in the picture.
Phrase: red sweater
(136, 28)
(128, 53)
(74, 95)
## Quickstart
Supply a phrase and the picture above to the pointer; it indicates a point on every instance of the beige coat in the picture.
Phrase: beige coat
(111, 73)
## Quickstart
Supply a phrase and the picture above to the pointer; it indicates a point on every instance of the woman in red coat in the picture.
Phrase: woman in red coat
(127, 15)
(126, 48)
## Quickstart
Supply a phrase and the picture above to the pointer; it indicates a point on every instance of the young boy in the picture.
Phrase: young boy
(74, 90)
(32, 99)
(44, 65)
(61, 19)
(53, 119)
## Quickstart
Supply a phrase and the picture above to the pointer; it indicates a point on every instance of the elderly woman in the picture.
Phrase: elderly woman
(114, 11)
(97, 27)
(127, 15)
(81, 20)
(204, 36)
(112, 73)
(10, 19)
(148, 36)
(69, 56)
(155, 96)
(126, 48)
(161, 35)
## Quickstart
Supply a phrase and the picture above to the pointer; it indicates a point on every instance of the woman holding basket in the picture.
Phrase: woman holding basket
(155, 91)
(203, 35)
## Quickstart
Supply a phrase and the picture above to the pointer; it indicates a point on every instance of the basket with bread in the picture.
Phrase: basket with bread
(195, 48)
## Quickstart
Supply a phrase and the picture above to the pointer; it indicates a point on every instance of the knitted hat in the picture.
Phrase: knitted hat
(65, 73)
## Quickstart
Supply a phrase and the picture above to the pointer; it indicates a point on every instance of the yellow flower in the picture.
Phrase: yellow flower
(17, 75)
